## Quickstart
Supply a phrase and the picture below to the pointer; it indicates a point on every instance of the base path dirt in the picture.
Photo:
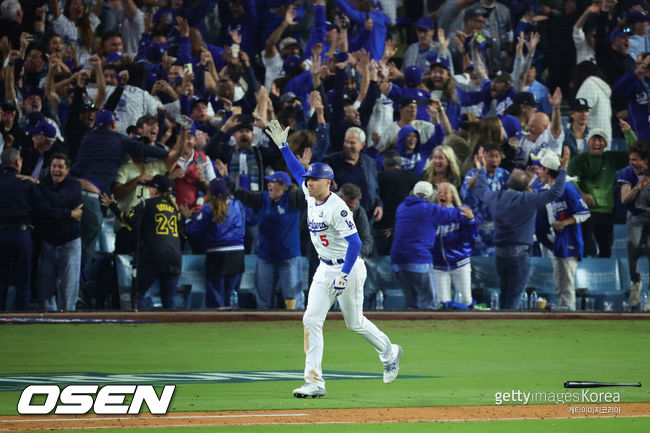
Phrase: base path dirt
(326, 416)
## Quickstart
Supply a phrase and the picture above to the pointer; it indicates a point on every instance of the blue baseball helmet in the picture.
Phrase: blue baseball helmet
(319, 170)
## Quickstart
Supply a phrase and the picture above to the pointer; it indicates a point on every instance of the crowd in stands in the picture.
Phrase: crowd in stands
(409, 102)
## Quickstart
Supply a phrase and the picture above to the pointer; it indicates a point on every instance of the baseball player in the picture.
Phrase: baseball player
(340, 274)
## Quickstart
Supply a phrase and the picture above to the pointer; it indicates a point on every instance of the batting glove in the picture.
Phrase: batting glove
(340, 283)
(276, 133)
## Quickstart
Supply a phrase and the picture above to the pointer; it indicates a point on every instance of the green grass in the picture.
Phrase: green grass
(471, 359)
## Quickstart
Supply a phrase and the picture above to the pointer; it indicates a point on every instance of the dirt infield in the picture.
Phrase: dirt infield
(326, 416)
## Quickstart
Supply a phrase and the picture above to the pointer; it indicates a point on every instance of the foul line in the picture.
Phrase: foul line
(134, 418)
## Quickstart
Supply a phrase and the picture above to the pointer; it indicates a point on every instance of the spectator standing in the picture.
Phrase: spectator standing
(442, 166)
(514, 211)
(395, 185)
(351, 194)
(353, 166)
(575, 136)
(592, 85)
(596, 171)
(278, 211)
(634, 87)
(557, 226)
(221, 223)
(18, 200)
(452, 250)
(58, 224)
(411, 257)
(635, 195)
(159, 251)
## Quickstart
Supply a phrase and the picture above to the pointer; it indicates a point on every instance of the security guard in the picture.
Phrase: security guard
(18, 198)
(159, 248)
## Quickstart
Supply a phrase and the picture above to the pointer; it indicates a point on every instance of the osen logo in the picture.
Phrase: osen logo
(80, 399)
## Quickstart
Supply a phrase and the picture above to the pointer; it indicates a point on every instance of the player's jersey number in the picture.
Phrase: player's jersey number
(324, 241)
(165, 225)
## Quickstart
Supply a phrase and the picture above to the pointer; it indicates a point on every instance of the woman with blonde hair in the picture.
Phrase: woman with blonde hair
(222, 225)
(442, 166)
(452, 250)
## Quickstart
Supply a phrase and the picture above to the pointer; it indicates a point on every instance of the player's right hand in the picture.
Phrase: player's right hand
(276, 133)
(340, 283)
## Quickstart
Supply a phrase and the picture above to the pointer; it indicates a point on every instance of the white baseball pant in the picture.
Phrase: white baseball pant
(351, 303)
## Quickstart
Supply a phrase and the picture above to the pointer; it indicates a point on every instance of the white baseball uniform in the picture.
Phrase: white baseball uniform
(329, 224)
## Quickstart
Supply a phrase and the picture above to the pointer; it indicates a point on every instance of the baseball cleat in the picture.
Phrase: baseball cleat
(392, 368)
(309, 390)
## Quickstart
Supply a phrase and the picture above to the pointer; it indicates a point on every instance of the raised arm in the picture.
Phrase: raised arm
(279, 137)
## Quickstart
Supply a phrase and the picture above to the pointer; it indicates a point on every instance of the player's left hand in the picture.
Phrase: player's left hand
(340, 283)
(276, 133)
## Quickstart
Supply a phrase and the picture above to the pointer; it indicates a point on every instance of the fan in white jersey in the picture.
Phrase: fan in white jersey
(341, 272)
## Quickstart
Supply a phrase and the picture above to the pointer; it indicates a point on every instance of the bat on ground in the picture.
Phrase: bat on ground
(589, 384)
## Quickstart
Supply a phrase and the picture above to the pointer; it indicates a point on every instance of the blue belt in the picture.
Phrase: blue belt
(332, 262)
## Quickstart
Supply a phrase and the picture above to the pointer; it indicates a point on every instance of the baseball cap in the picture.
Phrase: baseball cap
(406, 101)
(279, 176)
(218, 186)
(8, 105)
(330, 26)
(291, 63)
(619, 33)
(32, 119)
(599, 132)
(475, 12)
(33, 90)
(162, 183)
(546, 158)
(114, 57)
(287, 41)
(43, 128)
(412, 76)
(105, 118)
(512, 125)
(436, 60)
(524, 98)
(636, 16)
(502, 77)
(425, 23)
(424, 189)
(198, 101)
(288, 97)
(579, 104)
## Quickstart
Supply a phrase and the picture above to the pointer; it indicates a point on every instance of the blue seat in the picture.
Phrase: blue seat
(484, 272)
(619, 246)
(193, 275)
(599, 275)
(381, 276)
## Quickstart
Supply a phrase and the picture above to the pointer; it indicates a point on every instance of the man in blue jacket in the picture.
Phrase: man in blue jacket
(59, 227)
(278, 254)
(416, 221)
(101, 153)
(558, 228)
(514, 211)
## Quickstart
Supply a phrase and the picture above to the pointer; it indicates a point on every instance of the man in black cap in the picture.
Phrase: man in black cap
(523, 107)
(18, 199)
(159, 250)
(575, 134)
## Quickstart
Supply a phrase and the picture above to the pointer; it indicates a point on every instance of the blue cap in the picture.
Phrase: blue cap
(319, 170)
(218, 187)
(114, 57)
(436, 60)
(425, 23)
(637, 16)
(412, 76)
(32, 119)
(279, 176)
(105, 118)
(512, 125)
(43, 128)
(33, 90)
(619, 33)
(291, 63)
